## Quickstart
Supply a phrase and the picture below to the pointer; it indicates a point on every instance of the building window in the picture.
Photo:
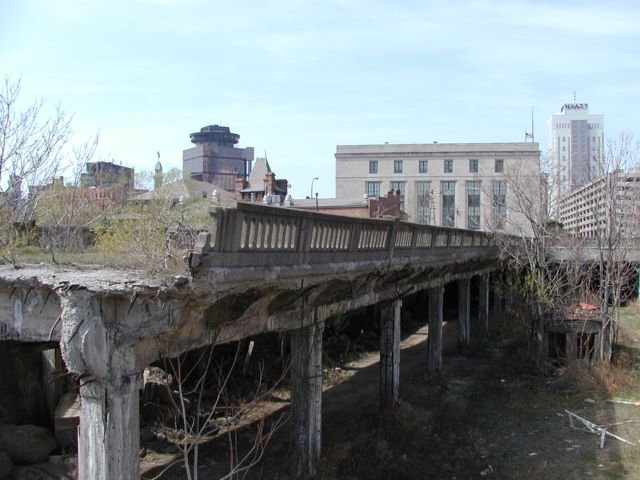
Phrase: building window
(448, 166)
(373, 166)
(473, 205)
(499, 204)
(473, 166)
(499, 165)
(423, 166)
(424, 203)
(448, 203)
(372, 189)
(397, 166)
(399, 186)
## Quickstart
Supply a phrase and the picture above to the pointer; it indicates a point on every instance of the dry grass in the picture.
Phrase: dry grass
(594, 379)
(88, 257)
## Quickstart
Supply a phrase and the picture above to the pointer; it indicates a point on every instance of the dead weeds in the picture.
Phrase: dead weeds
(583, 377)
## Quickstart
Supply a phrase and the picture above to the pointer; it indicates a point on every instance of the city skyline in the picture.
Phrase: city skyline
(297, 79)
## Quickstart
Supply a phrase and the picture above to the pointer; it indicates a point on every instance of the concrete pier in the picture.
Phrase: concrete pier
(390, 354)
(498, 294)
(306, 400)
(434, 340)
(109, 435)
(483, 306)
(464, 337)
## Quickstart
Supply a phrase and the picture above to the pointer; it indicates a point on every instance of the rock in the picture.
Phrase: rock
(67, 420)
(155, 389)
(27, 443)
(146, 435)
(6, 465)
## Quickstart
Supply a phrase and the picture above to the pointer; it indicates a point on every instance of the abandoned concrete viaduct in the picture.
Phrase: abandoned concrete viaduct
(258, 269)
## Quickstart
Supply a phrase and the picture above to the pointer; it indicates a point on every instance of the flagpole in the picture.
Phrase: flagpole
(533, 139)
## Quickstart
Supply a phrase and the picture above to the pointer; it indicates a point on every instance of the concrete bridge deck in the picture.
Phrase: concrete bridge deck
(258, 269)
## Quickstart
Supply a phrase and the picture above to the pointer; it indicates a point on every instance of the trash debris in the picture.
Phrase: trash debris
(635, 403)
(589, 400)
(487, 471)
(586, 306)
(533, 454)
(593, 428)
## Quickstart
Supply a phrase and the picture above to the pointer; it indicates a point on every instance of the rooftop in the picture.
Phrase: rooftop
(215, 134)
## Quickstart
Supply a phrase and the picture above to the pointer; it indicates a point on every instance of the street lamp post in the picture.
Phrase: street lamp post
(314, 179)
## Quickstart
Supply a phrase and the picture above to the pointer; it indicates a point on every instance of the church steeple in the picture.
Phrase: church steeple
(157, 177)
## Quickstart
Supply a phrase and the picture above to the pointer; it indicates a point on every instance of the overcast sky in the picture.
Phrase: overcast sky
(296, 78)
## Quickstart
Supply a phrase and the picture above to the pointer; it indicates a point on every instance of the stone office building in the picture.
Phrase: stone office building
(464, 185)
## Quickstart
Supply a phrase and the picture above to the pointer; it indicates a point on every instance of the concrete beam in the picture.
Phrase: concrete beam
(390, 354)
(464, 337)
(29, 314)
(434, 340)
(483, 307)
(259, 319)
(306, 400)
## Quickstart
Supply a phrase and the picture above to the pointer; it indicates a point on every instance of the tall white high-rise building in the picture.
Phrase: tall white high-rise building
(577, 145)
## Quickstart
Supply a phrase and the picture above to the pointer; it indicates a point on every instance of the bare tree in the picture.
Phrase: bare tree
(203, 409)
(31, 147)
(615, 212)
(66, 209)
(519, 204)
(596, 268)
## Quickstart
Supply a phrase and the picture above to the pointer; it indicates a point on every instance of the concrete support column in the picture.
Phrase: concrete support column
(483, 307)
(390, 354)
(498, 295)
(54, 384)
(109, 435)
(434, 341)
(542, 337)
(511, 282)
(306, 400)
(603, 342)
(571, 346)
(464, 338)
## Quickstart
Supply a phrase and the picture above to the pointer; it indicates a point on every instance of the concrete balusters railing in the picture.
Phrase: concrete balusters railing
(330, 236)
(404, 237)
(373, 237)
(268, 233)
(257, 235)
